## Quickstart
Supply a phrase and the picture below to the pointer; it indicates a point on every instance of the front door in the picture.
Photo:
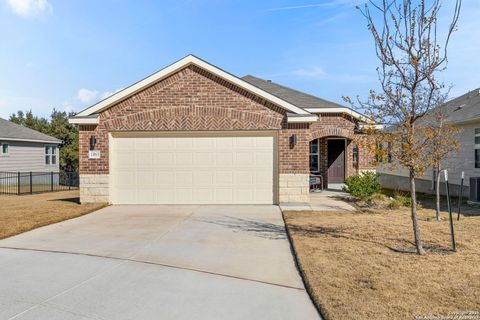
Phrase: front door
(336, 161)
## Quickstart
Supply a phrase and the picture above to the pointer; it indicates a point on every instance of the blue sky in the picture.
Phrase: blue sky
(69, 54)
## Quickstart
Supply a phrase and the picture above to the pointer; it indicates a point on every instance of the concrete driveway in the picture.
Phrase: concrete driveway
(155, 262)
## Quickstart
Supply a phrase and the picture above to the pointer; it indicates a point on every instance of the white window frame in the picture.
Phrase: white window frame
(52, 155)
(5, 154)
(314, 154)
(477, 147)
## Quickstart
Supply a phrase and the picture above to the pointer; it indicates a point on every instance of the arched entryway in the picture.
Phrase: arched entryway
(332, 156)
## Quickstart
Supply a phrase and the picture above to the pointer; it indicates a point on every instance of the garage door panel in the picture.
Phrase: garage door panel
(184, 159)
(203, 179)
(143, 144)
(164, 195)
(203, 159)
(164, 178)
(145, 178)
(124, 178)
(124, 159)
(193, 170)
(223, 159)
(144, 159)
(164, 159)
(163, 144)
(183, 179)
(183, 195)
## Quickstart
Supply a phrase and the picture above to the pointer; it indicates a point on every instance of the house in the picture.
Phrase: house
(463, 112)
(24, 150)
(193, 133)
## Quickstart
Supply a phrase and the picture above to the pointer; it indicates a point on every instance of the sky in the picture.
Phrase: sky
(69, 54)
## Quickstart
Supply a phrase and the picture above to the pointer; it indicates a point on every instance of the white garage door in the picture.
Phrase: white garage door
(192, 170)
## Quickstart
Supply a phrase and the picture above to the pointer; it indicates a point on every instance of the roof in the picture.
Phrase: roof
(10, 131)
(303, 100)
(85, 115)
(463, 109)
(300, 99)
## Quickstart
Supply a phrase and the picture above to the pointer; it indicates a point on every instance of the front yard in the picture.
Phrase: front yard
(352, 264)
(23, 213)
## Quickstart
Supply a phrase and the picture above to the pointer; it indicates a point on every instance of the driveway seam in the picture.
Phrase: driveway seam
(158, 264)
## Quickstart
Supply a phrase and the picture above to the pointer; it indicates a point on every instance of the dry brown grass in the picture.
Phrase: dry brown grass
(351, 265)
(23, 213)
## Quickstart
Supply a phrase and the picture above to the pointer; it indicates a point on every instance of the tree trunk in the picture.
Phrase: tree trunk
(416, 229)
(437, 191)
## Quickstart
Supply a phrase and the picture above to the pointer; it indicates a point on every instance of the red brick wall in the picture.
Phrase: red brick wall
(193, 99)
(189, 100)
(294, 159)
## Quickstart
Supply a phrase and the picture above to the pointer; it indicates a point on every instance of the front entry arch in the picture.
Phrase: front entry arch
(329, 159)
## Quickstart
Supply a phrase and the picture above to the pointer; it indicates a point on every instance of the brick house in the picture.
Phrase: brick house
(193, 133)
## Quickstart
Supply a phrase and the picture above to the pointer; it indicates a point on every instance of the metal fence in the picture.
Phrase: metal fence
(37, 182)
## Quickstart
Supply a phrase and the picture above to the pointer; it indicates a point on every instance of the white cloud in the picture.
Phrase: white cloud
(30, 8)
(107, 94)
(87, 96)
(313, 72)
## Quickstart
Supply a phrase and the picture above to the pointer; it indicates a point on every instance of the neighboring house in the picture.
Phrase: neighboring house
(463, 112)
(195, 134)
(24, 150)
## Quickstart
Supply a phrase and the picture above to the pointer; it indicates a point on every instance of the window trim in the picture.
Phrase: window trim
(4, 154)
(51, 156)
(317, 154)
(476, 160)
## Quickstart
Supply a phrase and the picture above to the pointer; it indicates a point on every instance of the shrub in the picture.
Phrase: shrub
(399, 201)
(363, 186)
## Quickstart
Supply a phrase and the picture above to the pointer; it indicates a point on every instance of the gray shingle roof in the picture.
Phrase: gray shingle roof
(297, 98)
(463, 108)
(10, 131)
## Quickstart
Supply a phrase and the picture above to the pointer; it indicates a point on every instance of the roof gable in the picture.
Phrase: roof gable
(86, 115)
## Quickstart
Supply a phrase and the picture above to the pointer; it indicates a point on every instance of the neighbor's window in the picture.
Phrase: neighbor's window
(50, 155)
(4, 149)
(477, 147)
(355, 155)
(314, 156)
(389, 152)
(379, 153)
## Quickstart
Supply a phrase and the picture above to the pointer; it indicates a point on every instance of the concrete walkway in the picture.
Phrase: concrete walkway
(155, 262)
(327, 200)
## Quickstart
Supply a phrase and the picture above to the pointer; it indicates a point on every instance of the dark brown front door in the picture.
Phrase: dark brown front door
(336, 161)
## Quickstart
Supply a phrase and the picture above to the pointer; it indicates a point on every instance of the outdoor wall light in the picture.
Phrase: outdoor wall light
(293, 140)
(93, 142)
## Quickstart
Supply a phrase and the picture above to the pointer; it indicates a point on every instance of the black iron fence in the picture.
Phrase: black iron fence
(37, 182)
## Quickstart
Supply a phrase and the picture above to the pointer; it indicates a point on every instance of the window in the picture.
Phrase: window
(379, 153)
(389, 152)
(477, 147)
(355, 155)
(50, 155)
(5, 149)
(314, 156)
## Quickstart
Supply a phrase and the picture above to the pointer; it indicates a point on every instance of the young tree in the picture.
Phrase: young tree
(411, 54)
(444, 140)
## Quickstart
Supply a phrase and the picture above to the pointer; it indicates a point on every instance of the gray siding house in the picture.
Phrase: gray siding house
(463, 112)
(24, 150)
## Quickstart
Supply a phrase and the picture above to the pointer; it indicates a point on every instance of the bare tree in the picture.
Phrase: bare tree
(411, 54)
